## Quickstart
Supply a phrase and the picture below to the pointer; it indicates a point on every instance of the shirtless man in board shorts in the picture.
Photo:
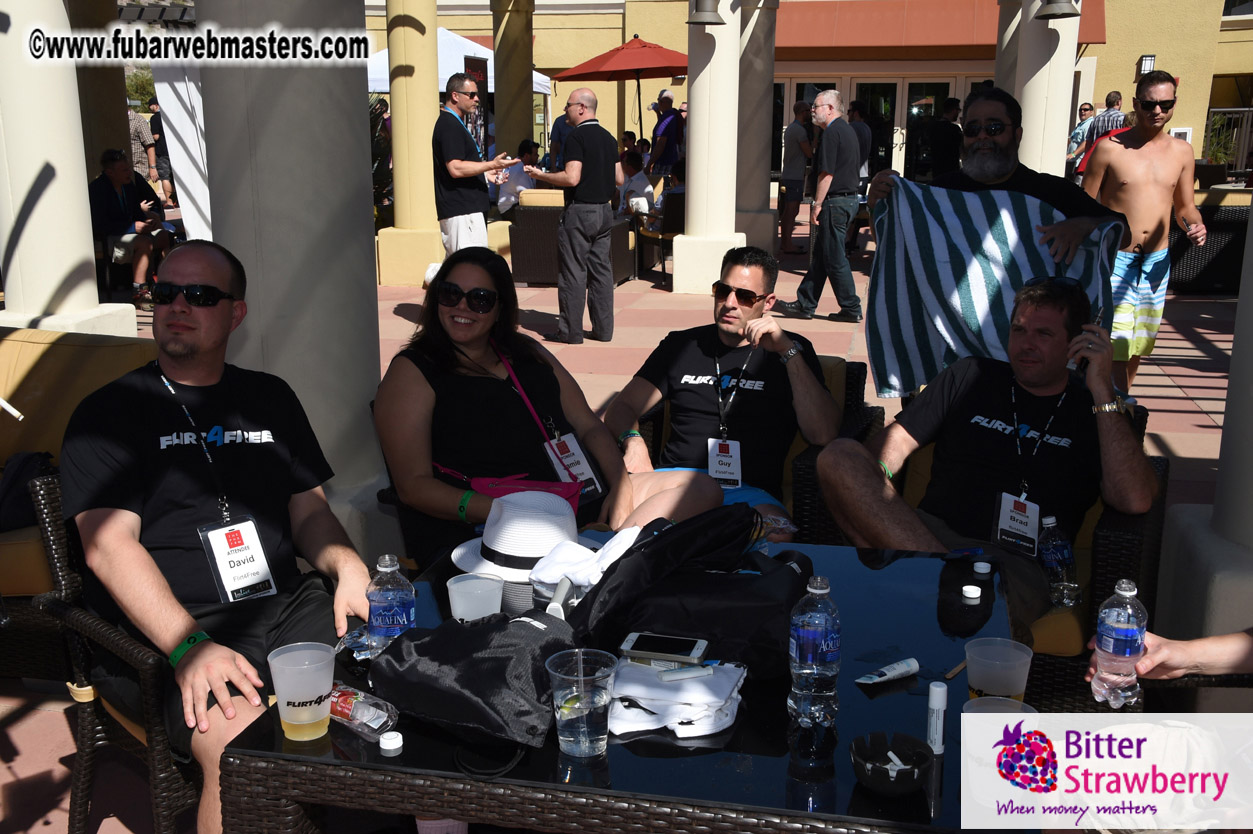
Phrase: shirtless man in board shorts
(1143, 173)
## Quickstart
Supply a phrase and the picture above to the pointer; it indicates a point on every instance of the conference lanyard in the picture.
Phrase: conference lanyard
(725, 408)
(464, 127)
(217, 481)
(1040, 439)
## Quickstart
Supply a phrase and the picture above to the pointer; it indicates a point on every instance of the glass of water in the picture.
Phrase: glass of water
(582, 681)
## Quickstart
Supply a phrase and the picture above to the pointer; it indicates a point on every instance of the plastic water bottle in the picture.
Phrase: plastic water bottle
(814, 657)
(391, 604)
(362, 712)
(1119, 644)
(1057, 558)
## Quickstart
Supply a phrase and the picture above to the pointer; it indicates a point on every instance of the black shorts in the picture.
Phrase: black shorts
(164, 171)
(253, 628)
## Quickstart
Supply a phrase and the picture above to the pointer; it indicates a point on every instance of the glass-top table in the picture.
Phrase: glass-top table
(759, 775)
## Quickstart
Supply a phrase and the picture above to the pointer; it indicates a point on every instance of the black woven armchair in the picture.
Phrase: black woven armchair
(173, 786)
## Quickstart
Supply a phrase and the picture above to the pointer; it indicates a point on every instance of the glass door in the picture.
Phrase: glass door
(926, 103)
(887, 139)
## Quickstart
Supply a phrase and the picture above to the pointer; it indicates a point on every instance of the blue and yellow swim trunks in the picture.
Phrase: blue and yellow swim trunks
(1139, 287)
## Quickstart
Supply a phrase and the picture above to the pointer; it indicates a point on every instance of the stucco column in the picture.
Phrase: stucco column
(405, 250)
(46, 258)
(513, 58)
(713, 58)
(289, 177)
(101, 90)
(1010, 13)
(1046, 75)
(1206, 576)
(753, 216)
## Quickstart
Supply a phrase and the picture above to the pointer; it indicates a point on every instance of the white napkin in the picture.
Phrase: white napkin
(581, 565)
(688, 707)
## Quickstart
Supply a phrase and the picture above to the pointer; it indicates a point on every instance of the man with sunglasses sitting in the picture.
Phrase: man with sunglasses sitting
(1014, 442)
(1144, 172)
(737, 391)
(194, 486)
(461, 172)
(992, 132)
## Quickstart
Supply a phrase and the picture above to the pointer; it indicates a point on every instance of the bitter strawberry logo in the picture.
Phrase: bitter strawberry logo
(234, 538)
(1027, 760)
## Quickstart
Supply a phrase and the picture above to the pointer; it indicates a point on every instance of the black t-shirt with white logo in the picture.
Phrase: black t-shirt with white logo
(129, 446)
(968, 412)
(761, 415)
(595, 147)
(455, 196)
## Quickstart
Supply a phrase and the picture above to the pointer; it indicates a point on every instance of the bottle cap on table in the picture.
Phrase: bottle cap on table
(391, 743)
(983, 567)
(971, 593)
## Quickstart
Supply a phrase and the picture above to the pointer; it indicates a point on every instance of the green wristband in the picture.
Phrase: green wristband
(627, 435)
(185, 646)
(464, 503)
(886, 471)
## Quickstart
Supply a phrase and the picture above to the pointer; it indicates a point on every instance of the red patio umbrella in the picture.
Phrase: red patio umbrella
(634, 59)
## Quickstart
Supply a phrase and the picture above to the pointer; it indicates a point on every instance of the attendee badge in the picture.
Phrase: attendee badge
(1018, 524)
(725, 463)
(238, 560)
(567, 446)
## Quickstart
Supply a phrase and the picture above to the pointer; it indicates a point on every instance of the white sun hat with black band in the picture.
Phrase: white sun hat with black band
(521, 529)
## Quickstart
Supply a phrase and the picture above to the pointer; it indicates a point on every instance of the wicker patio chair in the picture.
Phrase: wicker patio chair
(1215, 267)
(173, 786)
(847, 381)
(673, 220)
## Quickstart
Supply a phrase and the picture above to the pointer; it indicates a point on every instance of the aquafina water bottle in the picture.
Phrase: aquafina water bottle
(1057, 558)
(1119, 644)
(392, 609)
(814, 656)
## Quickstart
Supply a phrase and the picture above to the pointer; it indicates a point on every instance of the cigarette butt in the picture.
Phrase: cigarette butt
(952, 673)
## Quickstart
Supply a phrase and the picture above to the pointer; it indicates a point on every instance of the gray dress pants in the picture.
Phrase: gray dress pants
(585, 276)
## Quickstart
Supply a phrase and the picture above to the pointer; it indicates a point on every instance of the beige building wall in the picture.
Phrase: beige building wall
(1186, 52)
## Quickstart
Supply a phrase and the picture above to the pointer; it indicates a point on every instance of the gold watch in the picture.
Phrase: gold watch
(1105, 408)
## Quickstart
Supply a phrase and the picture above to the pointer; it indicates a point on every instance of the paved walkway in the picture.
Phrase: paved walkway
(1183, 385)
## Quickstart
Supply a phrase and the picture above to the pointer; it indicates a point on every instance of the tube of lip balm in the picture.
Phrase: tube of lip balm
(937, 700)
(899, 669)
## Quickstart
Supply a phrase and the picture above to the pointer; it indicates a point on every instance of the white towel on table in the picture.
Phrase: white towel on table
(688, 707)
(581, 565)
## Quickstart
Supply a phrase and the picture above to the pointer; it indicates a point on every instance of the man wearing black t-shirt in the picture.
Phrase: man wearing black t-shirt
(992, 132)
(195, 485)
(838, 163)
(742, 379)
(591, 175)
(461, 173)
(1005, 434)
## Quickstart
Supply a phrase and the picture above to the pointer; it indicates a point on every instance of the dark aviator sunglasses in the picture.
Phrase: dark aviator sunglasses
(971, 129)
(746, 298)
(197, 295)
(479, 300)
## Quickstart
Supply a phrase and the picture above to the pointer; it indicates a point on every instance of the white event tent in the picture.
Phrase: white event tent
(452, 52)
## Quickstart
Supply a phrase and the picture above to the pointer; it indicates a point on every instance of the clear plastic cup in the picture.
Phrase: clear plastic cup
(996, 666)
(992, 703)
(472, 596)
(303, 675)
(582, 681)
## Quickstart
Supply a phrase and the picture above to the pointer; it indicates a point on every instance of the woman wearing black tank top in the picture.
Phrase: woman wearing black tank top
(447, 399)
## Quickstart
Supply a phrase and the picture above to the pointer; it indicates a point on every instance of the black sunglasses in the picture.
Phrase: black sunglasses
(467, 94)
(1149, 106)
(971, 129)
(746, 298)
(1060, 280)
(478, 299)
(197, 295)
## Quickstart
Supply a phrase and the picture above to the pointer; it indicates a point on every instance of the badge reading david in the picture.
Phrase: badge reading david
(237, 559)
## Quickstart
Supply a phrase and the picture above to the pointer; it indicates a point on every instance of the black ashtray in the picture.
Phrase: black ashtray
(876, 770)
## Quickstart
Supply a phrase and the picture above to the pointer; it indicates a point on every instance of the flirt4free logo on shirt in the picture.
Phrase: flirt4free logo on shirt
(215, 437)
(1106, 770)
